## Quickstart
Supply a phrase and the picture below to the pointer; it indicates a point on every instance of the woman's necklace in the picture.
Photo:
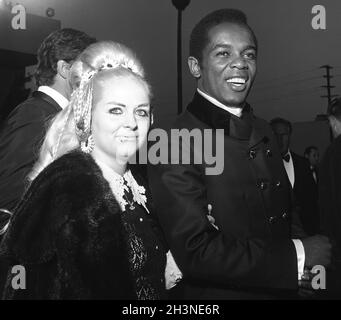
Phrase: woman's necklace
(128, 195)
(121, 186)
(137, 191)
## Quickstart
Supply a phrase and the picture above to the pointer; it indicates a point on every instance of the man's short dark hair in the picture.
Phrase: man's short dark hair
(64, 44)
(285, 122)
(199, 36)
(334, 109)
(309, 149)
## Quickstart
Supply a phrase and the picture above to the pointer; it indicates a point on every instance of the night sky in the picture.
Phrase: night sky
(290, 50)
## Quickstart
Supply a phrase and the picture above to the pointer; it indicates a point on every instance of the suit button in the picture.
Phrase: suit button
(284, 215)
(278, 184)
(262, 185)
(268, 153)
(252, 154)
(272, 220)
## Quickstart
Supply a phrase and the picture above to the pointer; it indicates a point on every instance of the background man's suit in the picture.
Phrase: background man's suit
(20, 138)
(252, 254)
(330, 209)
(306, 194)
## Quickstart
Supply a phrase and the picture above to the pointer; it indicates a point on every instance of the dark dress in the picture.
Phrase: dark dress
(75, 242)
(145, 252)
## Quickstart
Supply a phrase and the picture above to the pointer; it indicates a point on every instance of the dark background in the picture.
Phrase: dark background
(290, 50)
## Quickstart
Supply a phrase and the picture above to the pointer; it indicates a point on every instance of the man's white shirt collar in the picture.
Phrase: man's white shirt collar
(55, 95)
(236, 111)
(289, 168)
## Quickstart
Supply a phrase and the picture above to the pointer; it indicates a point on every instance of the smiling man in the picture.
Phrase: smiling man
(226, 68)
(249, 252)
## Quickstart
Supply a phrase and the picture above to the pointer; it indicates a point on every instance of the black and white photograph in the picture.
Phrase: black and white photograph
(186, 152)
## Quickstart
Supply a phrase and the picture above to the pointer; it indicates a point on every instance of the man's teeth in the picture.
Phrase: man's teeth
(236, 80)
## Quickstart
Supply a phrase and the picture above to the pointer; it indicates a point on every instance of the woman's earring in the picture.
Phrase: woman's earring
(88, 145)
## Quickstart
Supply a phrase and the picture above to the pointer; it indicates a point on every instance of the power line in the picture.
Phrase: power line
(288, 83)
(313, 89)
(296, 93)
(290, 92)
(287, 76)
(288, 96)
(328, 86)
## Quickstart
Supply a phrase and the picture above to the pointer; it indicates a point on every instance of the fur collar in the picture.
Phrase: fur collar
(70, 214)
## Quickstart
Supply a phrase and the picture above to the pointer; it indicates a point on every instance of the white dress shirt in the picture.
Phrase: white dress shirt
(55, 95)
(313, 171)
(298, 243)
(289, 168)
(236, 111)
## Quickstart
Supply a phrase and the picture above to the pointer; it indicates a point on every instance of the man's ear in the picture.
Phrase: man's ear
(63, 69)
(194, 67)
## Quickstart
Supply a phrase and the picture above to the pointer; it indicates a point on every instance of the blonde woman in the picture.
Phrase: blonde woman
(84, 229)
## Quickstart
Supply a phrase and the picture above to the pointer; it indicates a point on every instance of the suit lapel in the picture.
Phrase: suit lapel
(47, 98)
(257, 135)
(218, 118)
(208, 113)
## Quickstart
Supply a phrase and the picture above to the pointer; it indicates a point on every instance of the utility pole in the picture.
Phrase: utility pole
(329, 95)
(328, 86)
(180, 5)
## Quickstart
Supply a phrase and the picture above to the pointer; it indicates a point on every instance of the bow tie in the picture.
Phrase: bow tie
(286, 158)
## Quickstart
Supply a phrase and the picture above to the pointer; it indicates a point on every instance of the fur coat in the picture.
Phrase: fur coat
(69, 234)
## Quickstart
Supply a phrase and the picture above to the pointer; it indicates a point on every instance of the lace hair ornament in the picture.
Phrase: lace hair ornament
(81, 99)
(60, 135)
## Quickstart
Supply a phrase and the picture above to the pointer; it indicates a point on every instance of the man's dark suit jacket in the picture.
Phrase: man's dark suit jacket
(330, 211)
(306, 195)
(252, 254)
(20, 138)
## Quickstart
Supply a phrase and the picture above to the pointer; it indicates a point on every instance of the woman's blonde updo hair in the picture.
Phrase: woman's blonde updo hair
(71, 126)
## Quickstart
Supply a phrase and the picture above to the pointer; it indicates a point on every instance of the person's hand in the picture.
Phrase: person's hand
(173, 274)
(306, 290)
(317, 251)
